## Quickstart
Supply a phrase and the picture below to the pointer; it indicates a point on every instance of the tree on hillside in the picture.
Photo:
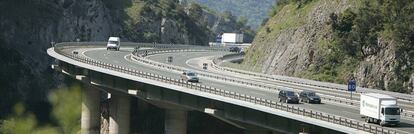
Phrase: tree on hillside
(66, 112)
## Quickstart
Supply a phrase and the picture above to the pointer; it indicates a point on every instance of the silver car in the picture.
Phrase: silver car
(189, 76)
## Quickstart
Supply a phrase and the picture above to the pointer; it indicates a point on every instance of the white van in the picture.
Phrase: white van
(113, 43)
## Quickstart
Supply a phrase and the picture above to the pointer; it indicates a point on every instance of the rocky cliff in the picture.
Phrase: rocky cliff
(301, 40)
(29, 26)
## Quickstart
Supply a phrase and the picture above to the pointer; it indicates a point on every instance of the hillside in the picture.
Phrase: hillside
(255, 11)
(334, 40)
(28, 27)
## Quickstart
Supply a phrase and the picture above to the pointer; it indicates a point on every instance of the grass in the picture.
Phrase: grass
(289, 16)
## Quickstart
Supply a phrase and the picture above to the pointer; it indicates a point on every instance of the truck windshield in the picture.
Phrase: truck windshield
(113, 42)
(392, 111)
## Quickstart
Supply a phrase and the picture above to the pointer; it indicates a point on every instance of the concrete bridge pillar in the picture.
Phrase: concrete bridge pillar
(119, 114)
(175, 121)
(90, 118)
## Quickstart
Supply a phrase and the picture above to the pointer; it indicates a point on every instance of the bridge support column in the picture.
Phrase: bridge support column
(90, 118)
(175, 121)
(119, 117)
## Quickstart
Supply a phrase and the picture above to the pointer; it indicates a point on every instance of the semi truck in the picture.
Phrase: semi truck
(380, 109)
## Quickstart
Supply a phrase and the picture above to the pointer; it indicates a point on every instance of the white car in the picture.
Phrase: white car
(114, 43)
(189, 76)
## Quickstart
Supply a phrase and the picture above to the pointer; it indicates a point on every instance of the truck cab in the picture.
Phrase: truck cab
(114, 43)
(390, 115)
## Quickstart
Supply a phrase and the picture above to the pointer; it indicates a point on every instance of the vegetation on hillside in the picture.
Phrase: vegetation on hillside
(254, 11)
(293, 16)
(239, 24)
(281, 3)
(139, 19)
(66, 110)
(367, 30)
(357, 31)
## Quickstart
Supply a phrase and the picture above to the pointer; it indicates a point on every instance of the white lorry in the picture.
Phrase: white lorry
(379, 108)
(114, 43)
(235, 38)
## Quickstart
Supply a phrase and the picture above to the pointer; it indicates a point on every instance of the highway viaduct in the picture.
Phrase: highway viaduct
(142, 73)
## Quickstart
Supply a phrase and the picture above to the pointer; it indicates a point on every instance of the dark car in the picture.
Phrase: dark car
(309, 97)
(288, 97)
(234, 49)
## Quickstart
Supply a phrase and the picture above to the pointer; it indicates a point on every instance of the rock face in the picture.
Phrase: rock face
(289, 51)
(376, 71)
(292, 41)
(28, 27)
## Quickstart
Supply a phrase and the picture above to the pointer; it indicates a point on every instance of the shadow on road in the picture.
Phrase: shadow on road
(405, 125)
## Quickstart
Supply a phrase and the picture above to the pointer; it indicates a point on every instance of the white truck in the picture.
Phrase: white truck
(379, 108)
(235, 38)
(114, 43)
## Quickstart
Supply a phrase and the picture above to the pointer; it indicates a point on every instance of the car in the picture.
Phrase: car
(234, 49)
(189, 76)
(309, 97)
(288, 97)
(114, 43)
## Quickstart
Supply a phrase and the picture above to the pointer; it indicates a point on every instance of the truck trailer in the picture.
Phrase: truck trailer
(380, 109)
(235, 38)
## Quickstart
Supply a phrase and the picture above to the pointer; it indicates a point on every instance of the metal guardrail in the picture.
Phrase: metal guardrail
(177, 68)
(405, 97)
(140, 54)
(144, 53)
(259, 101)
(409, 114)
(331, 98)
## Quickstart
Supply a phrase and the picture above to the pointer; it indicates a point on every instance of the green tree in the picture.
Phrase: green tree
(195, 10)
(23, 122)
(66, 103)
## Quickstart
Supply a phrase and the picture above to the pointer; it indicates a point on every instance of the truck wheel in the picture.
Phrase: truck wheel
(280, 100)
(367, 119)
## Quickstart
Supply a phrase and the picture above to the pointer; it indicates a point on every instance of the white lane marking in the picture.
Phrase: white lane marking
(251, 92)
(216, 80)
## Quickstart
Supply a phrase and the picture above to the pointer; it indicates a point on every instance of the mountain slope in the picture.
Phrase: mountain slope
(253, 10)
(27, 28)
(335, 40)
